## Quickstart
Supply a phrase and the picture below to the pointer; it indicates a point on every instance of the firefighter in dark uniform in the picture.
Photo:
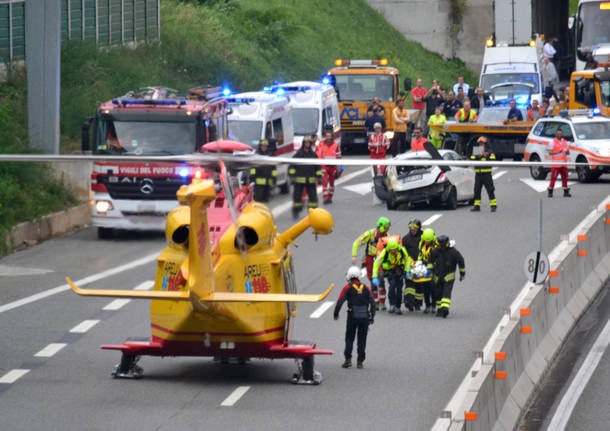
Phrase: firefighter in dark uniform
(483, 177)
(304, 177)
(360, 314)
(414, 293)
(263, 177)
(443, 262)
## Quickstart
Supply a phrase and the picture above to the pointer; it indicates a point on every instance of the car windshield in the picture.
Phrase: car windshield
(489, 80)
(497, 115)
(594, 26)
(305, 121)
(593, 130)
(145, 137)
(365, 87)
(248, 132)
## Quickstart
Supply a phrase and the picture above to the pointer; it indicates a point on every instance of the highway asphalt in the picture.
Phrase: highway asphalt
(414, 362)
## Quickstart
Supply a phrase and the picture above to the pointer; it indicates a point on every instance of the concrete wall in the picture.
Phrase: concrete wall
(427, 22)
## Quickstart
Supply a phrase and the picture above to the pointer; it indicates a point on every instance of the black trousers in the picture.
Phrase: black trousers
(486, 180)
(429, 297)
(360, 326)
(395, 293)
(297, 195)
(442, 292)
(399, 143)
(262, 193)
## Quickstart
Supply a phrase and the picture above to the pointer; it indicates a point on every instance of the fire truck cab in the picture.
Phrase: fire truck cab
(153, 121)
(260, 115)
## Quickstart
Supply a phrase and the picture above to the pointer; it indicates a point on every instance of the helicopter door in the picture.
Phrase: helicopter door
(290, 286)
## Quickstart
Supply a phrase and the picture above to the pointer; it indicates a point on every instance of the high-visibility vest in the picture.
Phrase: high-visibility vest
(472, 116)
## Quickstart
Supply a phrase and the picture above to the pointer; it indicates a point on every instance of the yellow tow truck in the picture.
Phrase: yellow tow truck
(589, 89)
(356, 83)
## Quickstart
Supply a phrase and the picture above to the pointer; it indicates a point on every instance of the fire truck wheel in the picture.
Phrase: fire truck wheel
(104, 232)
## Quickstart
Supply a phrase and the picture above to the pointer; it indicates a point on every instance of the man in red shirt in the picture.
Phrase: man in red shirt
(419, 94)
(558, 149)
(417, 144)
(328, 149)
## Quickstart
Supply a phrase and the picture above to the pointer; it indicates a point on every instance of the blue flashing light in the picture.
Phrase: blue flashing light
(596, 111)
(184, 172)
(522, 100)
(268, 89)
(280, 92)
(326, 80)
(226, 91)
(178, 102)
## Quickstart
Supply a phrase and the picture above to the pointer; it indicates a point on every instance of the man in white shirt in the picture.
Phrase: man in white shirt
(462, 84)
(550, 77)
(549, 50)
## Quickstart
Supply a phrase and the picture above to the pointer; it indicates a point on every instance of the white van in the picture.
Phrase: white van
(512, 72)
(260, 115)
(314, 107)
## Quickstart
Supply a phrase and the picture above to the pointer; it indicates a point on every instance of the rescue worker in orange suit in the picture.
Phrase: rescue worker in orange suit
(264, 177)
(443, 262)
(395, 263)
(304, 177)
(482, 177)
(370, 239)
(329, 149)
(426, 245)
(414, 293)
(378, 146)
(558, 149)
(360, 314)
(417, 144)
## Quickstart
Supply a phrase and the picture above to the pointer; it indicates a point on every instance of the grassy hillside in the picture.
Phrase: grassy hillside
(241, 43)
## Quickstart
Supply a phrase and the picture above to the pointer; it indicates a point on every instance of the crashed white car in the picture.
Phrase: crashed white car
(432, 184)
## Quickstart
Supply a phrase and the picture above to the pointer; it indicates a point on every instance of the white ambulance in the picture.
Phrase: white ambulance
(260, 115)
(314, 107)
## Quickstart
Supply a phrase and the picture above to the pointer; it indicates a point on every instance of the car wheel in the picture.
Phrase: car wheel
(391, 201)
(381, 191)
(584, 173)
(104, 232)
(452, 202)
(537, 172)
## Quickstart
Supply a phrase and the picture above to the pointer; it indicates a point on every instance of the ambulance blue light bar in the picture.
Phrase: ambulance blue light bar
(241, 100)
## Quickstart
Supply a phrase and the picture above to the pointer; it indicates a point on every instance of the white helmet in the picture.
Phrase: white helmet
(352, 272)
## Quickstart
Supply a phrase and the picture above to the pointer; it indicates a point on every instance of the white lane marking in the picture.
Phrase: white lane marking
(15, 271)
(542, 185)
(147, 285)
(432, 219)
(13, 375)
(498, 174)
(578, 385)
(321, 309)
(82, 282)
(116, 304)
(362, 188)
(84, 326)
(282, 208)
(50, 350)
(235, 396)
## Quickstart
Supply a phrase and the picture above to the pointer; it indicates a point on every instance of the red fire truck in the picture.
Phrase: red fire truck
(154, 121)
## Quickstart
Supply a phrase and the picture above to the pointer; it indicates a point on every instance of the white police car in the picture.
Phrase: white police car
(588, 138)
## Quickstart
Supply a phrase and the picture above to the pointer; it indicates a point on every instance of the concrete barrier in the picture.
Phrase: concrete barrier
(530, 336)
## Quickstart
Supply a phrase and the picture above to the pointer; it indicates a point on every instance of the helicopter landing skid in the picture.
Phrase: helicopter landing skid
(128, 368)
(306, 375)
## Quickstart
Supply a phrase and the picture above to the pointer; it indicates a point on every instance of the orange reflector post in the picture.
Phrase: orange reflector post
(501, 375)
(525, 311)
(582, 253)
(526, 329)
(500, 356)
(553, 289)
(608, 206)
(470, 416)
(582, 237)
(608, 221)
(553, 273)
